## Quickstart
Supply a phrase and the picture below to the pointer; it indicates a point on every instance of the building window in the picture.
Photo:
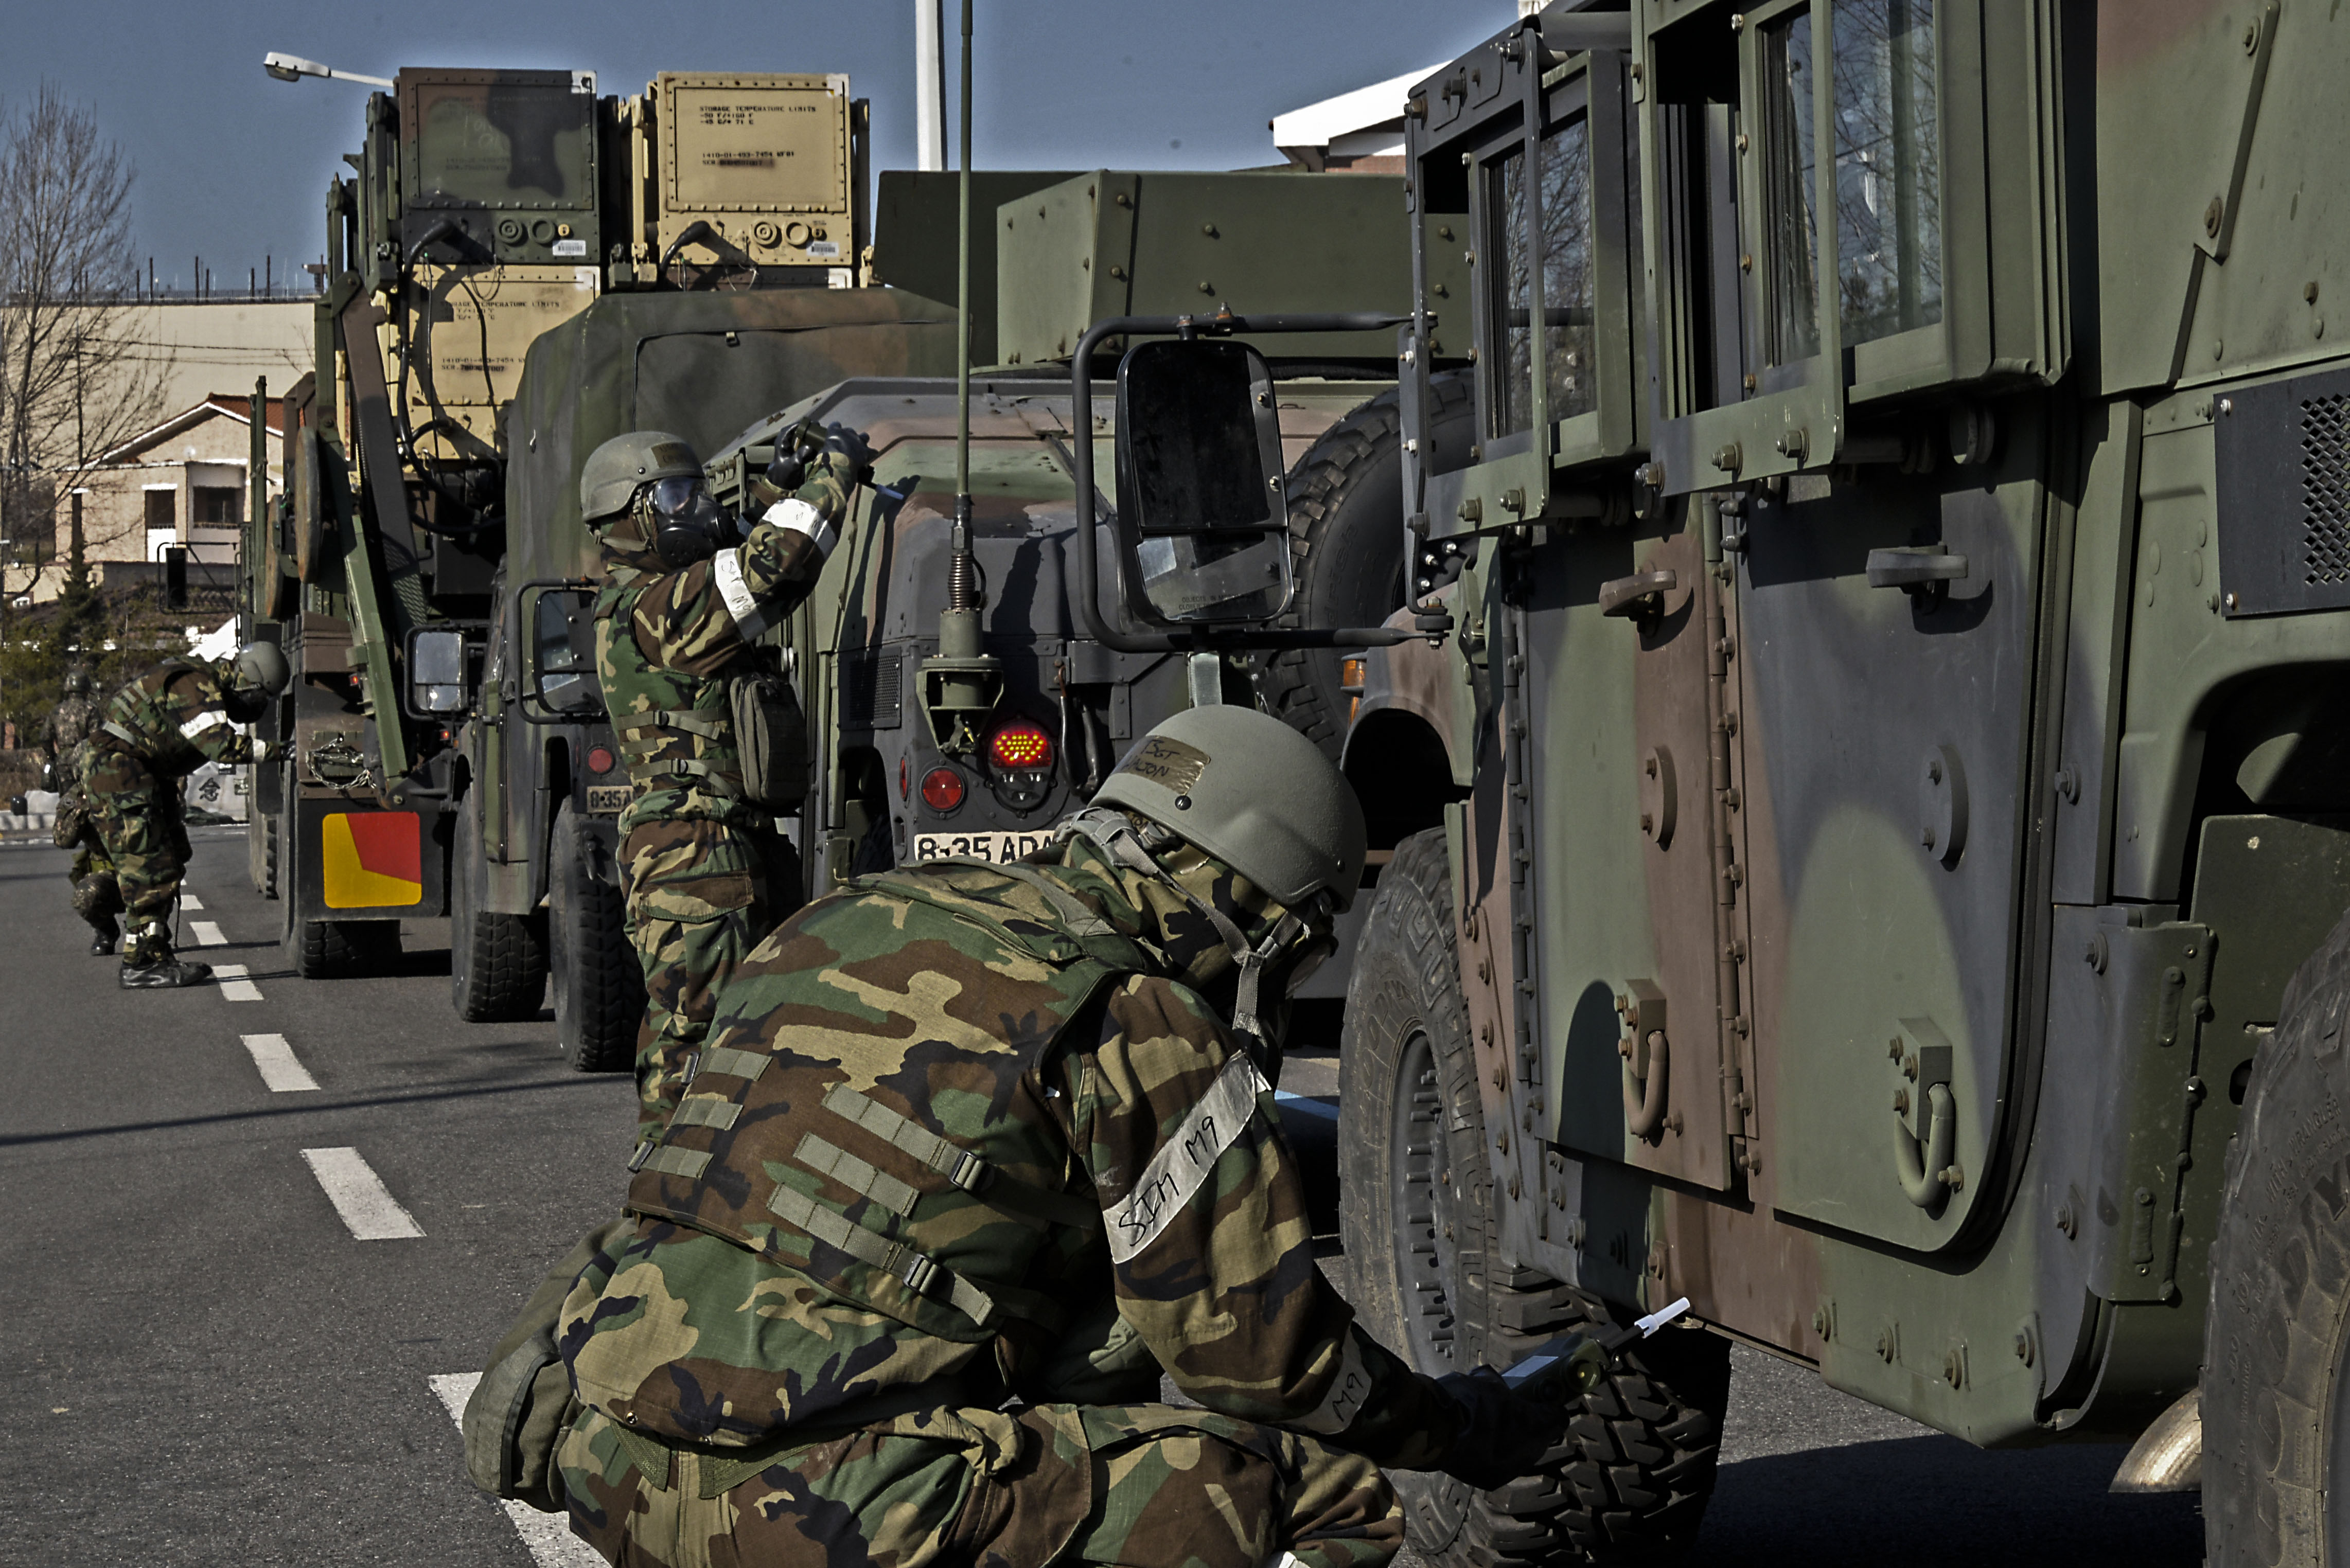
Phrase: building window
(162, 506)
(219, 506)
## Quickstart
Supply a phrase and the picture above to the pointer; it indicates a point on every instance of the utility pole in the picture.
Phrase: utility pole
(930, 88)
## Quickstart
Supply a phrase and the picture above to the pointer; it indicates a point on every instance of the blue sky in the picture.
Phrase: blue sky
(234, 166)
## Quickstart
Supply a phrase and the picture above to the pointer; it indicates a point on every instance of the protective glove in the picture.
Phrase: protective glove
(795, 449)
(848, 453)
(1503, 1432)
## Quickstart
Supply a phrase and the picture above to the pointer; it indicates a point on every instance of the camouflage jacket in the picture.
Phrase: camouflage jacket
(176, 716)
(667, 642)
(957, 1132)
(75, 721)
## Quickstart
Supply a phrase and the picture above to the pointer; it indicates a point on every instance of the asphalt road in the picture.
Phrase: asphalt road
(204, 1365)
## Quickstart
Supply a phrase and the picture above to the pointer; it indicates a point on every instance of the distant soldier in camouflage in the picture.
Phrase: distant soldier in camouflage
(967, 1132)
(158, 730)
(687, 595)
(95, 897)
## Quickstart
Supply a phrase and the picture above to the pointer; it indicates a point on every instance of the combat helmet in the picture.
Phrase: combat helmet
(609, 479)
(260, 667)
(77, 681)
(1252, 793)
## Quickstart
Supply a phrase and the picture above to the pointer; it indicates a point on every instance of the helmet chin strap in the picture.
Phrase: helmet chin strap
(1116, 836)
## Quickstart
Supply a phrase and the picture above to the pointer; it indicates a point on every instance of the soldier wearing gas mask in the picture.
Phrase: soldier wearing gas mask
(698, 709)
(965, 1132)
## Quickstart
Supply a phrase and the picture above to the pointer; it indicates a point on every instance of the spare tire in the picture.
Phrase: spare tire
(1346, 544)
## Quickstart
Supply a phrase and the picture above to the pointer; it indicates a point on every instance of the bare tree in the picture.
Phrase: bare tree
(74, 380)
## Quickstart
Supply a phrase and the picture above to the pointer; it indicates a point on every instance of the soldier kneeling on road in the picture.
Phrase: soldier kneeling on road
(158, 730)
(687, 595)
(973, 1157)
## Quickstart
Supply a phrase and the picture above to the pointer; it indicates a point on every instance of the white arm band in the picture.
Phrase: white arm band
(801, 518)
(751, 616)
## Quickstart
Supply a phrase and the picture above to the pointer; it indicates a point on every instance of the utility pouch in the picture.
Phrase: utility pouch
(73, 821)
(771, 735)
(518, 1412)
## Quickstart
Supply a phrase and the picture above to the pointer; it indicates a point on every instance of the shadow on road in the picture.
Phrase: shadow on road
(1928, 1502)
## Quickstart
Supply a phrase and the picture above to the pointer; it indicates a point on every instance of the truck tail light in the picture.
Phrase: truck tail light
(1021, 746)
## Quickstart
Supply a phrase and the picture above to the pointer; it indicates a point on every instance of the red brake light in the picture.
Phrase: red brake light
(1021, 745)
(942, 789)
(599, 760)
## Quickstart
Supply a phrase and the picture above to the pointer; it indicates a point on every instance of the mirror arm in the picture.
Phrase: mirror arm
(1089, 558)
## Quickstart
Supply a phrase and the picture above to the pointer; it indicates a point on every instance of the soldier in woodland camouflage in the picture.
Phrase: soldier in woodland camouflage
(968, 1132)
(95, 897)
(157, 730)
(686, 596)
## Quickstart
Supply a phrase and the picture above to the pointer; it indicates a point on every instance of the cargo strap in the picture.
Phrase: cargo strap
(121, 734)
(1032, 1206)
(705, 1111)
(859, 1176)
(921, 1274)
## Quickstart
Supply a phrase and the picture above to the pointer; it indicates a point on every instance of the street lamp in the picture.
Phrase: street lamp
(292, 68)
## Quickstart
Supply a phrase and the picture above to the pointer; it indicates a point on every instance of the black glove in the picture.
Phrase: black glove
(852, 458)
(1504, 1433)
(795, 448)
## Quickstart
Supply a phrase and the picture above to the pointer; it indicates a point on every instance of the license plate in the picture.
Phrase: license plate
(611, 798)
(996, 848)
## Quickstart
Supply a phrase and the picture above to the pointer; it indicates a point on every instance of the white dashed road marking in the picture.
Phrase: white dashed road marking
(361, 1196)
(188, 902)
(280, 1068)
(548, 1539)
(208, 934)
(234, 986)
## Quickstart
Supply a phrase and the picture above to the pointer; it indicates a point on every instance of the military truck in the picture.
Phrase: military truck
(1860, 802)
(489, 209)
(915, 755)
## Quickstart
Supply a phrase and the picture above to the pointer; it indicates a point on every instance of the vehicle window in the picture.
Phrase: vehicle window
(1888, 174)
(1510, 406)
(1791, 210)
(1568, 327)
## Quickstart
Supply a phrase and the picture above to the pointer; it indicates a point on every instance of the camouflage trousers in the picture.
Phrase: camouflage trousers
(1139, 1486)
(699, 900)
(136, 814)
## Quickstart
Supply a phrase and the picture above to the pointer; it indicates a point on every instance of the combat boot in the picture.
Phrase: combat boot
(148, 964)
(102, 939)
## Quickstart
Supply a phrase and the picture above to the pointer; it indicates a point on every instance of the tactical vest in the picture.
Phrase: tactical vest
(906, 1167)
(675, 730)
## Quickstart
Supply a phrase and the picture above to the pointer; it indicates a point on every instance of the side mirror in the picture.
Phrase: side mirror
(438, 677)
(1202, 523)
(563, 655)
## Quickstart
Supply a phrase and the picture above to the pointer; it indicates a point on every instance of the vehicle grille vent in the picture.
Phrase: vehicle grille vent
(2325, 489)
(873, 688)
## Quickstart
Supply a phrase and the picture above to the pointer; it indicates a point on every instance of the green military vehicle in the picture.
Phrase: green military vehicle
(1859, 802)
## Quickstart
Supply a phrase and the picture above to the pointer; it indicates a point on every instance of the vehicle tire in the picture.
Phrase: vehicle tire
(599, 990)
(497, 963)
(1416, 1214)
(2276, 1354)
(1347, 539)
(324, 950)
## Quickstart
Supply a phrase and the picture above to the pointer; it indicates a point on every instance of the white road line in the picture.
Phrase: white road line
(208, 934)
(234, 986)
(1309, 1104)
(188, 902)
(361, 1196)
(280, 1068)
(548, 1539)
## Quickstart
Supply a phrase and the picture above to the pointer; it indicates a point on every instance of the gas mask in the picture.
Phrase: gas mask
(685, 522)
(1297, 945)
